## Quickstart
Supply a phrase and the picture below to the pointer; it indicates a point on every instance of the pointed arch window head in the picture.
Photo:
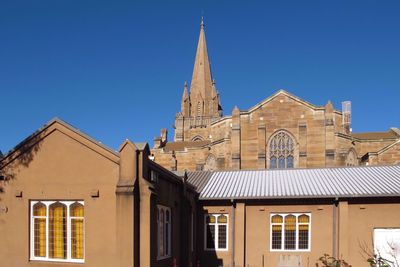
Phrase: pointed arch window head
(281, 151)
(197, 138)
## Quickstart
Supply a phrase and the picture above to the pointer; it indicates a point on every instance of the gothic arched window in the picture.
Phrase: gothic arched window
(351, 158)
(281, 151)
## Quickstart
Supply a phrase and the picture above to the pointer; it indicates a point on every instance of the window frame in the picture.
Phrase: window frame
(297, 215)
(167, 226)
(216, 224)
(48, 203)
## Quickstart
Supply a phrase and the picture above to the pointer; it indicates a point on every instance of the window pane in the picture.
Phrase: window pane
(290, 232)
(222, 236)
(304, 218)
(210, 219)
(303, 236)
(290, 162)
(77, 210)
(281, 162)
(39, 209)
(77, 238)
(277, 219)
(167, 238)
(40, 237)
(161, 237)
(57, 231)
(210, 236)
(277, 236)
(222, 219)
(273, 163)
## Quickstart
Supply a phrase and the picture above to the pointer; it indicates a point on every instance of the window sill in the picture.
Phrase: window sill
(220, 250)
(290, 250)
(160, 258)
(56, 260)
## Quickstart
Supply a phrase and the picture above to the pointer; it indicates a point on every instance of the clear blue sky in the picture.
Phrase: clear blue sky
(115, 69)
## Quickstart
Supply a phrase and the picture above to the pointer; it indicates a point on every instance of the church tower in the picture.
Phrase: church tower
(201, 105)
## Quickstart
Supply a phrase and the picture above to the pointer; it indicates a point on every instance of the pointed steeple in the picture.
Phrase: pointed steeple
(185, 103)
(185, 91)
(201, 84)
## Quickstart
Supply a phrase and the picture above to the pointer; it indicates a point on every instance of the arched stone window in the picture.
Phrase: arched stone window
(211, 163)
(351, 158)
(281, 151)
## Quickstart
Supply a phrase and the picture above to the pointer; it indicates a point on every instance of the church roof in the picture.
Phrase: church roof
(344, 182)
(376, 135)
(181, 145)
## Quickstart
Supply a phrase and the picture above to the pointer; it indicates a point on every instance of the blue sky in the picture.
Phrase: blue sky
(115, 69)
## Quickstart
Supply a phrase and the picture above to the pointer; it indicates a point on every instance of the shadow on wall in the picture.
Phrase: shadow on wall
(214, 237)
(20, 156)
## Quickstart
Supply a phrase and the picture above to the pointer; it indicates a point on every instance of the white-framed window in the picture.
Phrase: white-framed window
(216, 232)
(387, 245)
(57, 231)
(290, 232)
(163, 232)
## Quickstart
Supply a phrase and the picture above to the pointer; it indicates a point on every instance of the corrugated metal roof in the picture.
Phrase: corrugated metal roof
(368, 181)
(199, 179)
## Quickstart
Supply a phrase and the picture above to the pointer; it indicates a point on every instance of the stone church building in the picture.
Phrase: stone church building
(68, 200)
(282, 131)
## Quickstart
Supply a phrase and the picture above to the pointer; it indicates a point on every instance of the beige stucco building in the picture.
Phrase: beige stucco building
(282, 131)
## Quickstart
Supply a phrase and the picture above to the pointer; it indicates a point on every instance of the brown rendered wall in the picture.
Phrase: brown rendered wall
(120, 222)
(339, 229)
(363, 218)
(62, 169)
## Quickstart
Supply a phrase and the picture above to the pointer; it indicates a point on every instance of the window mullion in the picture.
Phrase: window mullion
(216, 232)
(32, 232)
(296, 237)
(47, 230)
(283, 233)
(68, 233)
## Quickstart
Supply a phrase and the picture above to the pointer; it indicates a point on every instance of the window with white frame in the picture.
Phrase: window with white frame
(57, 231)
(216, 232)
(387, 245)
(163, 232)
(290, 231)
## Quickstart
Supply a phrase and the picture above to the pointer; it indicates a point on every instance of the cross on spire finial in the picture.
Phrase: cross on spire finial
(202, 22)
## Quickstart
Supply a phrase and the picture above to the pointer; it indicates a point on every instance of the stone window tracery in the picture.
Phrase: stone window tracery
(281, 151)
(351, 158)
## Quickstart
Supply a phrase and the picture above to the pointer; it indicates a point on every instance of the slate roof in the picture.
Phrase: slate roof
(351, 182)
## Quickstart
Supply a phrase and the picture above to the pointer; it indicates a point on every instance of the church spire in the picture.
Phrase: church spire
(185, 103)
(201, 87)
